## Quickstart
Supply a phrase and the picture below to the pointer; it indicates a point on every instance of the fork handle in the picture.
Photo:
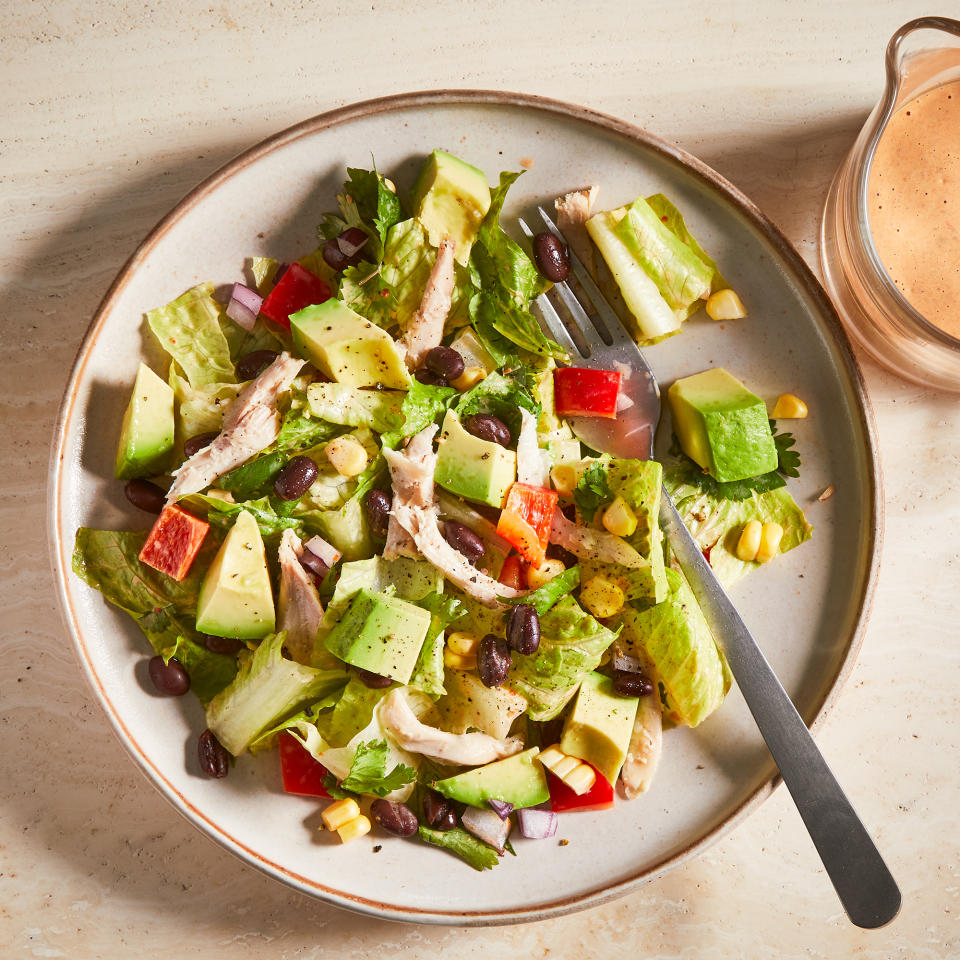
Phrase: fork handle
(865, 886)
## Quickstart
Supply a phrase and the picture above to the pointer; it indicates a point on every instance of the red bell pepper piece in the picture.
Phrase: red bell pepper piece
(174, 541)
(296, 289)
(581, 392)
(513, 574)
(562, 798)
(302, 774)
(526, 519)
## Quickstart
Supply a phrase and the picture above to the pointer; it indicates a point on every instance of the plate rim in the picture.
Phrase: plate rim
(800, 273)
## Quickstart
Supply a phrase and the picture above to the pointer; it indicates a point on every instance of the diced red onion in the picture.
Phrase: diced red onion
(351, 241)
(623, 402)
(325, 551)
(624, 369)
(536, 823)
(244, 306)
(487, 826)
(627, 664)
(501, 808)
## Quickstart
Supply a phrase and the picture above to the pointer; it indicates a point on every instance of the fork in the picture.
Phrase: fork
(863, 882)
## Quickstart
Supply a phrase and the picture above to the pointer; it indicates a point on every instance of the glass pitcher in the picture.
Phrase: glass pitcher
(921, 55)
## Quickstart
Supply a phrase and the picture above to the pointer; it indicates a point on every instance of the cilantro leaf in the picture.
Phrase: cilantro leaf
(368, 772)
(463, 845)
(788, 461)
(592, 491)
(376, 203)
(423, 404)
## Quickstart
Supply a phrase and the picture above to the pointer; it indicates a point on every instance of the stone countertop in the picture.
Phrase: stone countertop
(111, 113)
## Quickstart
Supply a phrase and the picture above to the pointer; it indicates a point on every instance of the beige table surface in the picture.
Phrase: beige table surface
(110, 112)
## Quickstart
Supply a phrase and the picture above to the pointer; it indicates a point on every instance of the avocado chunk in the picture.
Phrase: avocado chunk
(520, 780)
(451, 198)
(381, 634)
(599, 726)
(722, 426)
(347, 347)
(476, 469)
(146, 435)
(235, 596)
(469, 705)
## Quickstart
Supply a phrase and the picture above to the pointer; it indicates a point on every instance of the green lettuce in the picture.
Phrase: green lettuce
(351, 713)
(348, 406)
(444, 609)
(502, 395)
(422, 405)
(673, 220)
(209, 672)
(461, 844)
(242, 342)
(188, 328)
(199, 409)
(675, 638)
(300, 427)
(546, 597)
(307, 716)
(222, 514)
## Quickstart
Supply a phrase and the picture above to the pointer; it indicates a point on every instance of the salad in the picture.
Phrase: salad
(380, 549)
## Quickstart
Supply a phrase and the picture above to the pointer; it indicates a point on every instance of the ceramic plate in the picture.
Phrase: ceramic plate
(807, 609)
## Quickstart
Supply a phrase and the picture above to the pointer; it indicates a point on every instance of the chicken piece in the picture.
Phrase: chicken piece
(643, 753)
(250, 424)
(573, 211)
(533, 464)
(425, 329)
(414, 477)
(590, 544)
(462, 749)
(298, 604)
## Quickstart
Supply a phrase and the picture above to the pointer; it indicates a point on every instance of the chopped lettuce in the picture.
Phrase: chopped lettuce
(188, 328)
(461, 844)
(267, 688)
(263, 270)
(199, 409)
(502, 395)
(222, 514)
(253, 478)
(242, 341)
(671, 217)
(546, 597)
(209, 672)
(352, 712)
(422, 405)
(339, 403)
(674, 636)
(444, 609)
(300, 428)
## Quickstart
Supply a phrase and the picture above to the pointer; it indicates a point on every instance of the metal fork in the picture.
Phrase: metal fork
(865, 886)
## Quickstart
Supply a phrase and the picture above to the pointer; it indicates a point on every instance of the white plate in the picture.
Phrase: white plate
(807, 609)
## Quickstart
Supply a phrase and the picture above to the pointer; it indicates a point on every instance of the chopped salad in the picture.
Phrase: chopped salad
(380, 549)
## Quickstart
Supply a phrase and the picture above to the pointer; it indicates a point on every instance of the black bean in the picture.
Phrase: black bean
(464, 540)
(493, 660)
(294, 480)
(444, 362)
(632, 684)
(378, 505)
(314, 564)
(195, 444)
(253, 364)
(488, 427)
(169, 678)
(523, 629)
(428, 377)
(373, 680)
(225, 645)
(145, 495)
(395, 818)
(551, 257)
(438, 811)
(213, 756)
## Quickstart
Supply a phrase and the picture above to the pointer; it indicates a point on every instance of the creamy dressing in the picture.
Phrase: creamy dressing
(914, 204)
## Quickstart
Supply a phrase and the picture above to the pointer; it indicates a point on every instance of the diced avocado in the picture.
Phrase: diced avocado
(235, 596)
(469, 705)
(451, 198)
(473, 468)
(599, 726)
(381, 634)
(474, 353)
(347, 347)
(412, 579)
(722, 426)
(520, 780)
(146, 435)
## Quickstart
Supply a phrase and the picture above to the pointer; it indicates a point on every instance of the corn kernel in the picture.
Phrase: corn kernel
(602, 597)
(456, 661)
(619, 519)
(725, 305)
(563, 767)
(749, 542)
(465, 644)
(339, 813)
(353, 829)
(564, 479)
(470, 377)
(551, 756)
(770, 539)
(225, 495)
(347, 456)
(580, 779)
(789, 407)
(538, 576)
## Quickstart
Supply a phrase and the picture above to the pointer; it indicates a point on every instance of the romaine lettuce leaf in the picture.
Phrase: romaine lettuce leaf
(444, 609)
(348, 406)
(209, 672)
(351, 713)
(300, 428)
(199, 409)
(263, 270)
(188, 328)
(242, 341)
(222, 514)
(461, 844)
(544, 598)
(674, 636)
(422, 405)
(308, 716)
(671, 217)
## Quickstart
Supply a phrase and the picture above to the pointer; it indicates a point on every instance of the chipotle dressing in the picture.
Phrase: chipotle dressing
(915, 204)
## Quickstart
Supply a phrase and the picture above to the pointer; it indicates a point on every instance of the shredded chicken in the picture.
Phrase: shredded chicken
(414, 509)
(298, 604)
(466, 749)
(573, 211)
(533, 464)
(590, 544)
(411, 474)
(250, 424)
(425, 329)
(643, 753)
